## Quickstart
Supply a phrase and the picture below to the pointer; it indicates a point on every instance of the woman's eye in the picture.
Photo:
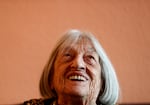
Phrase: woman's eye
(67, 55)
(90, 59)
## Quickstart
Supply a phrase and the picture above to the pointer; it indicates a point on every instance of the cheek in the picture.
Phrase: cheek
(95, 78)
(95, 73)
(58, 81)
(95, 87)
(59, 73)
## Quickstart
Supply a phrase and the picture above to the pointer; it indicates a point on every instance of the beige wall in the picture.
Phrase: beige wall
(30, 28)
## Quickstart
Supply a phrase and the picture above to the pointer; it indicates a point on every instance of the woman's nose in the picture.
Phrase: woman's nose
(78, 63)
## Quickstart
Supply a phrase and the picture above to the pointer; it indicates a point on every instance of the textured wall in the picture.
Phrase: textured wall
(30, 28)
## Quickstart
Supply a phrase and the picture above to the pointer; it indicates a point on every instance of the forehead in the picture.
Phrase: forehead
(81, 43)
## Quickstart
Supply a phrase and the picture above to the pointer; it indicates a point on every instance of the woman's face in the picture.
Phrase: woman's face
(77, 71)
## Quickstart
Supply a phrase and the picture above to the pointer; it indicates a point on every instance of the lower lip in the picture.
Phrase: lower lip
(76, 82)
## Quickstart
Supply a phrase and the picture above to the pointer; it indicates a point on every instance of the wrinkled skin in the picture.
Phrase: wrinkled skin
(77, 74)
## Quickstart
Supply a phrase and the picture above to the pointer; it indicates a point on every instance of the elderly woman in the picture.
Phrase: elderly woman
(78, 73)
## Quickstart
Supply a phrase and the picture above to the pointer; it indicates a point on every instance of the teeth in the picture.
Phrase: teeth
(77, 77)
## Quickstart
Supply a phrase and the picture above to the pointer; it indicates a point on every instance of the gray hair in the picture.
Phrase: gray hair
(109, 92)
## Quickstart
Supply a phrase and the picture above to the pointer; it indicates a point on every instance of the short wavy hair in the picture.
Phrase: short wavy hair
(109, 92)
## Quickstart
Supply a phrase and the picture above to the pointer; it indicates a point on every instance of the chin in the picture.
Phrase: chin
(77, 92)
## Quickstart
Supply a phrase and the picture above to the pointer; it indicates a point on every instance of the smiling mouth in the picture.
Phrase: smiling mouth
(77, 78)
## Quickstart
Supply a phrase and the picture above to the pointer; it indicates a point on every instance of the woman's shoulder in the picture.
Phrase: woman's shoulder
(38, 102)
(43, 102)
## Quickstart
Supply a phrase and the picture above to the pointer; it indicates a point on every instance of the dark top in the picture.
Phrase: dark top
(39, 102)
(44, 102)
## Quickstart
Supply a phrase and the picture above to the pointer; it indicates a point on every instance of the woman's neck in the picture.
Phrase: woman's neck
(75, 100)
